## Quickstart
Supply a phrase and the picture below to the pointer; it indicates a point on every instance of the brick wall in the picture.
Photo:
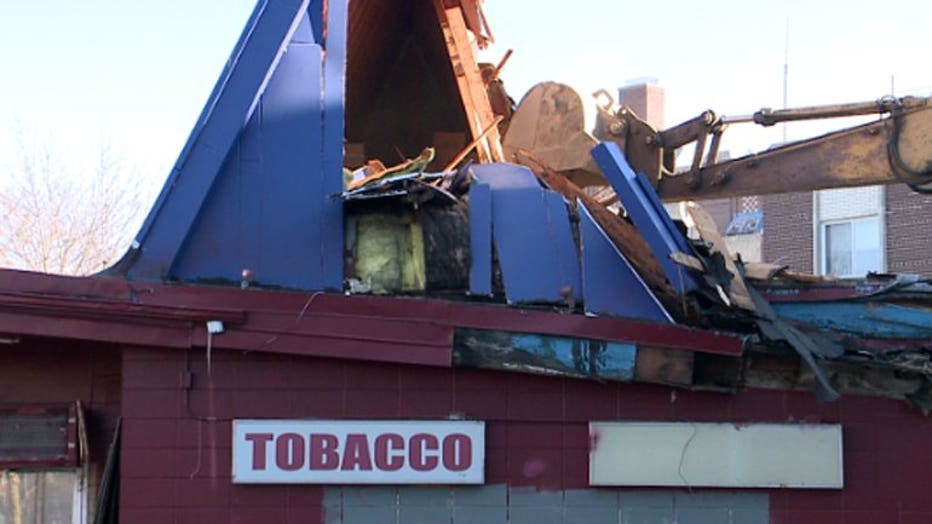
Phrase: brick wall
(722, 211)
(176, 442)
(646, 100)
(908, 231)
(908, 221)
(788, 230)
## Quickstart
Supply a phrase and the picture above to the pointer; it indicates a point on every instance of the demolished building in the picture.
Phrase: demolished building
(346, 306)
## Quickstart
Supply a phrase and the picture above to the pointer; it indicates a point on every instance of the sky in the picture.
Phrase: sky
(135, 74)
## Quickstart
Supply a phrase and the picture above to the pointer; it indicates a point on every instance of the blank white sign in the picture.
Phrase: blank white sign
(689, 454)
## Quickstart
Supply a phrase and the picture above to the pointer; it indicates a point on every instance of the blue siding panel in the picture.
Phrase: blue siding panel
(304, 34)
(206, 245)
(330, 182)
(560, 230)
(480, 239)
(249, 218)
(867, 319)
(651, 195)
(264, 214)
(611, 286)
(543, 355)
(532, 235)
(252, 187)
(612, 360)
(653, 223)
(251, 183)
(316, 12)
(292, 205)
(201, 160)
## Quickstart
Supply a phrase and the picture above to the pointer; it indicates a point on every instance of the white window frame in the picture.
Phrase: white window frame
(819, 226)
(823, 232)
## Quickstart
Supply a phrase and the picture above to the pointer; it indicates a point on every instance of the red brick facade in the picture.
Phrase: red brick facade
(788, 230)
(908, 223)
(176, 442)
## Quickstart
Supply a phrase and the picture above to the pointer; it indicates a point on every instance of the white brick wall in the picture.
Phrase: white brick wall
(839, 204)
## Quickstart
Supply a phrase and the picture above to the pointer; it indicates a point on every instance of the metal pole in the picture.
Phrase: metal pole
(786, 69)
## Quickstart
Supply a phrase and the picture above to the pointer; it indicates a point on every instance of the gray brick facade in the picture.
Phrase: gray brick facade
(500, 504)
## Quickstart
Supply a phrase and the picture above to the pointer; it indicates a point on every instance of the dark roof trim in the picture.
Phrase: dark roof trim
(404, 330)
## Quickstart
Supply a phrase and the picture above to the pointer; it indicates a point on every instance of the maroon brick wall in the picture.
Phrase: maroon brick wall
(909, 231)
(176, 445)
(54, 372)
(788, 230)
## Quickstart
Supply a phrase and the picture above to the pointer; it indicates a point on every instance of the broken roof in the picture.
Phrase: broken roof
(259, 199)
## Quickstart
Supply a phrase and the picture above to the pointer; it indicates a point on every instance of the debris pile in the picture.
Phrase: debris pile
(574, 222)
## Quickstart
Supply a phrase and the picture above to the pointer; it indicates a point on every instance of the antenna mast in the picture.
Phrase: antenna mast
(786, 68)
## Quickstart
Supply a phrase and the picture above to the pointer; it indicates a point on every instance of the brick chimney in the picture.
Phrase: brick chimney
(645, 97)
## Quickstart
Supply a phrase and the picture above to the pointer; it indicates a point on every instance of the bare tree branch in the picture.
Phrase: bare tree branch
(58, 218)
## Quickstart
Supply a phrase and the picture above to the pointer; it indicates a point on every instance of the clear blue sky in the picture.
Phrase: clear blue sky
(136, 73)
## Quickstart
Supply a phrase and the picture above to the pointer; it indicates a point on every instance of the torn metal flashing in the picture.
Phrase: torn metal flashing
(544, 354)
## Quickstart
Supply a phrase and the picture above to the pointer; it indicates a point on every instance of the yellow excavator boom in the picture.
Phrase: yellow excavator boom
(897, 148)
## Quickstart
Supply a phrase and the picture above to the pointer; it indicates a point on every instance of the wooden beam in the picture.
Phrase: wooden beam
(664, 366)
(469, 80)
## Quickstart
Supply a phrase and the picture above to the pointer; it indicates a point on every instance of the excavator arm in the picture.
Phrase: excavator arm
(894, 149)
(897, 148)
(873, 153)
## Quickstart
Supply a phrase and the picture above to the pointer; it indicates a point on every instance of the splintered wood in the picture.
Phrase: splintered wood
(738, 292)
(469, 80)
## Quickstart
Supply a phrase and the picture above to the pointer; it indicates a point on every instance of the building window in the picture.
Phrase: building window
(42, 478)
(849, 232)
(41, 497)
(852, 248)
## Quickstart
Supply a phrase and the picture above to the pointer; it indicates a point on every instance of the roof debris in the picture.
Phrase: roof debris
(530, 235)
(574, 225)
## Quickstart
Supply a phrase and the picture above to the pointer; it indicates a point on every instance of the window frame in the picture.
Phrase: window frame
(79, 492)
(72, 461)
(824, 255)
(820, 226)
(67, 460)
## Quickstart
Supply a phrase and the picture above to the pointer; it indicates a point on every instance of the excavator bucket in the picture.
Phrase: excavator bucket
(549, 123)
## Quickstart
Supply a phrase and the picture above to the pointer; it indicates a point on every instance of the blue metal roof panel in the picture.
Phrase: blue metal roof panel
(653, 223)
(532, 234)
(480, 239)
(611, 286)
(251, 187)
